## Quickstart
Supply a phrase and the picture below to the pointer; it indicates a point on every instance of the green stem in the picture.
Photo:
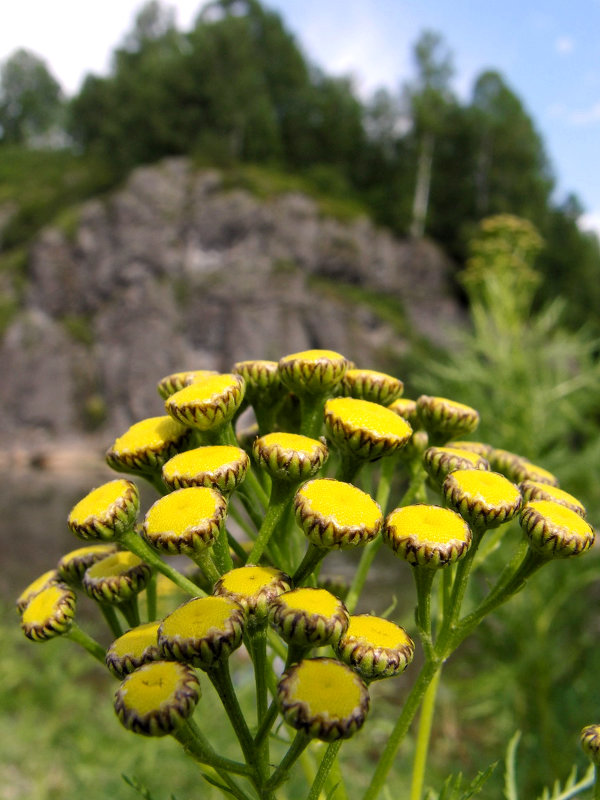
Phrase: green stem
(327, 762)
(221, 679)
(301, 741)
(266, 724)
(248, 501)
(151, 598)
(313, 556)
(311, 414)
(413, 701)
(91, 645)
(236, 547)
(388, 466)
(336, 779)
(423, 737)
(221, 553)
(204, 560)
(131, 611)
(257, 641)
(197, 745)
(137, 545)
(252, 482)
(423, 581)
(110, 615)
(281, 494)
(349, 467)
(596, 785)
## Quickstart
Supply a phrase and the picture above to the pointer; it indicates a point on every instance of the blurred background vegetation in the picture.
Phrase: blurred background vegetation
(237, 92)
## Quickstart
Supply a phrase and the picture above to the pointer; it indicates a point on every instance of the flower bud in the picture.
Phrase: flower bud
(73, 565)
(536, 490)
(253, 587)
(554, 530)
(484, 499)
(481, 448)
(376, 387)
(186, 521)
(156, 698)
(145, 446)
(526, 471)
(49, 613)
(179, 380)
(116, 578)
(590, 743)
(441, 461)
(446, 419)
(375, 647)
(36, 586)
(221, 467)
(334, 514)
(209, 403)
(312, 371)
(261, 377)
(135, 647)
(407, 409)
(202, 631)
(106, 512)
(309, 617)
(324, 698)
(427, 536)
(289, 456)
(366, 430)
(505, 462)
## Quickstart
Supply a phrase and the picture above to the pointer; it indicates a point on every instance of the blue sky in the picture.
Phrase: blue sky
(547, 50)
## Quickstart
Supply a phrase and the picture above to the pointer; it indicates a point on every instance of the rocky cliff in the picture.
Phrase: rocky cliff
(178, 271)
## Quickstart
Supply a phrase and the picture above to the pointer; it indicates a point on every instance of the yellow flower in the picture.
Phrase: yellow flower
(554, 530)
(590, 743)
(135, 647)
(427, 536)
(367, 430)
(73, 565)
(334, 514)
(446, 419)
(117, 577)
(262, 378)
(156, 698)
(375, 647)
(312, 371)
(484, 499)
(36, 586)
(289, 456)
(324, 698)
(368, 384)
(253, 587)
(179, 380)
(49, 613)
(310, 617)
(146, 445)
(106, 512)
(536, 490)
(440, 461)
(407, 409)
(221, 467)
(209, 403)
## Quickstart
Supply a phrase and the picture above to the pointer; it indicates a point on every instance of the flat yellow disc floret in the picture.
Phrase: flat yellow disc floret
(116, 564)
(327, 688)
(559, 495)
(341, 503)
(367, 416)
(431, 524)
(376, 632)
(198, 618)
(560, 515)
(312, 601)
(36, 586)
(43, 606)
(538, 472)
(81, 552)
(146, 690)
(203, 459)
(314, 356)
(490, 487)
(98, 502)
(134, 642)
(291, 441)
(204, 390)
(181, 510)
(248, 581)
(149, 434)
(468, 455)
(453, 403)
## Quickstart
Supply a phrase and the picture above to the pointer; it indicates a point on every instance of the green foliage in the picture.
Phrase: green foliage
(454, 789)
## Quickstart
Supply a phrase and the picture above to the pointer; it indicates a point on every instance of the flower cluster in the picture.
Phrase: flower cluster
(255, 517)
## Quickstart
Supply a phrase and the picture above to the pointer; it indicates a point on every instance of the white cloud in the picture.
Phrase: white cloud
(576, 117)
(590, 222)
(564, 45)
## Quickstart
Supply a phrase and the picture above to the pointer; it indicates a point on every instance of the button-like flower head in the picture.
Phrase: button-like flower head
(484, 499)
(117, 577)
(262, 378)
(427, 536)
(309, 617)
(209, 403)
(135, 647)
(366, 430)
(73, 565)
(179, 380)
(446, 419)
(106, 512)
(367, 384)
(441, 461)
(253, 587)
(145, 446)
(590, 743)
(313, 371)
(289, 456)
(554, 530)
(375, 647)
(36, 586)
(221, 467)
(49, 613)
(536, 490)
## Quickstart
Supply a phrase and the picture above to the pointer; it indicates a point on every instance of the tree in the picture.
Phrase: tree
(31, 100)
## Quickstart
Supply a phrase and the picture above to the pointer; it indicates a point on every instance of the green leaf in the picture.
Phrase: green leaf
(510, 783)
(139, 787)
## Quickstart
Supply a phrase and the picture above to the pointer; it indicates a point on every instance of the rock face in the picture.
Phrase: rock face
(175, 271)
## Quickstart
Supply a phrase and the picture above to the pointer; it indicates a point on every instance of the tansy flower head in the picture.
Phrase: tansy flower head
(289, 456)
(367, 430)
(313, 371)
(156, 698)
(334, 514)
(73, 565)
(407, 409)
(145, 446)
(536, 490)
(209, 403)
(484, 499)
(526, 471)
(505, 462)
(262, 378)
(222, 467)
(554, 530)
(186, 521)
(49, 613)
(136, 647)
(310, 617)
(427, 536)
(375, 647)
(106, 512)
(481, 448)
(324, 698)
(36, 586)
(179, 380)
(446, 419)
(203, 631)
(253, 587)
(590, 743)
(367, 384)
(440, 461)
(117, 577)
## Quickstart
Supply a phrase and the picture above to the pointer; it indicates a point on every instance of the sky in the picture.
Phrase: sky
(548, 51)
